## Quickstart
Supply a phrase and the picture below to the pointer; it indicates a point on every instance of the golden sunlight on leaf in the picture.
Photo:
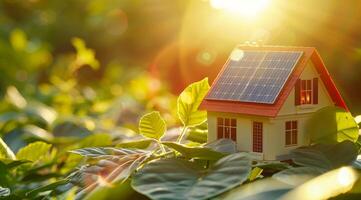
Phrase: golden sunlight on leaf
(325, 186)
(186, 97)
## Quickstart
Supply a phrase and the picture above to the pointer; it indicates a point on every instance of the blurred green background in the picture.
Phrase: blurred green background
(98, 49)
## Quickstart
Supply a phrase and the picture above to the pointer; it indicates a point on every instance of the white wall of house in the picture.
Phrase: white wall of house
(244, 129)
(277, 130)
(274, 143)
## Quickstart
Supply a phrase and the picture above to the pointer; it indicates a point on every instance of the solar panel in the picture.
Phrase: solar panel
(254, 76)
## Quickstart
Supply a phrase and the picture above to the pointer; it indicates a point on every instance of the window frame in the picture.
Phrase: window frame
(227, 128)
(291, 133)
(306, 90)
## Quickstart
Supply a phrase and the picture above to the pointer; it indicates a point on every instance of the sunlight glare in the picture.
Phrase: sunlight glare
(246, 8)
(237, 55)
(345, 177)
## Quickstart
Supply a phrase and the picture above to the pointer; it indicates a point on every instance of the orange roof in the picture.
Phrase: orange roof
(271, 110)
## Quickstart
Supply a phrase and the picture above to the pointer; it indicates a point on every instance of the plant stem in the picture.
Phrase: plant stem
(161, 146)
(184, 130)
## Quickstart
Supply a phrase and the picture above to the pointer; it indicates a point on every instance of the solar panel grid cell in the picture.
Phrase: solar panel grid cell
(257, 77)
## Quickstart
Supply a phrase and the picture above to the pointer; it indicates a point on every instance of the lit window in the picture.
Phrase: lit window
(227, 128)
(306, 92)
(291, 133)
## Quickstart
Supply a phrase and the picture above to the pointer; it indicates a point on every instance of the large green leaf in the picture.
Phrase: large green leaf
(189, 101)
(195, 152)
(227, 146)
(332, 124)
(268, 188)
(103, 152)
(113, 164)
(33, 151)
(152, 125)
(298, 175)
(325, 156)
(5, 151)
(179, 179)
(325, 186)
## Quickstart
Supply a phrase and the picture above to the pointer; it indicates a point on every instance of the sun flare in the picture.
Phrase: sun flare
(246, 8)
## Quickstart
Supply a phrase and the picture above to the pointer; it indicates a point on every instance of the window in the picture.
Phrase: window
(306, 92)
(227, 128)
(291, 133)
(257, 137)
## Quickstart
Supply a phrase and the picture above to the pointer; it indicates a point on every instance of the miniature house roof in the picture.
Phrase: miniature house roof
(258, 80)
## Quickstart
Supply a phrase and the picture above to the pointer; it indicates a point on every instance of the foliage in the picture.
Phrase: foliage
(152, 125)
(332, 124)
(189, 101)
(33, 152)
(179, 179)
(70, 139)
(5, 151)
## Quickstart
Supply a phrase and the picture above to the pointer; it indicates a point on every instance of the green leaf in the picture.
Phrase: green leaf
(267, 188)
(122, 191)
(325, 156)
(114, 165)
(102, 152)
(96, 140)
(196, 134)
(14, 97)
(152, 125)
(195, 152)
(33, 151)
(226, 146)
(4, 192)
(5, 151)
(10, 164)
(179, 179)
(41, 111)
(325, 186)
(331, 125)
(70, 129)
(298, 175)
(49, 187)
(140, 144)
(189, 101)
(255, 173)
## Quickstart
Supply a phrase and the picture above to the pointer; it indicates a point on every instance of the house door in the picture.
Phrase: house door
(257, 137)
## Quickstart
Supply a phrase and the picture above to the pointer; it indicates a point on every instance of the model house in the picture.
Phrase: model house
(263, 97)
